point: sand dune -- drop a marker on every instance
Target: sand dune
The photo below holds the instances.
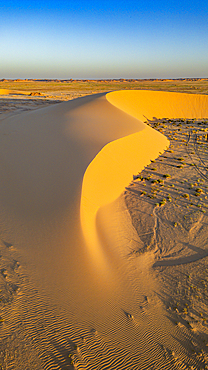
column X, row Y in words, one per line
column 146, row 104
column 72, row 296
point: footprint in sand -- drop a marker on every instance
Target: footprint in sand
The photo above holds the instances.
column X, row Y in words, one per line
column 93, row 331
column 4, row 273
column 128, row 315
column 15, row 266
column 8, row 245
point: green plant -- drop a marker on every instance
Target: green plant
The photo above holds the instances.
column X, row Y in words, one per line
column 163, row 202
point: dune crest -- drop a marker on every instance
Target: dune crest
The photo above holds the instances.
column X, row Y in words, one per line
column 145, row 104
column 110, row 171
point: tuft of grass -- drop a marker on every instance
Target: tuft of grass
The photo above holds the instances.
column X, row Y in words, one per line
column 163, row 202
column 200, row 191
column 148, row 177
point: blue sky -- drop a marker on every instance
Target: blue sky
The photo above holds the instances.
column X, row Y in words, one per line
column 103, row 39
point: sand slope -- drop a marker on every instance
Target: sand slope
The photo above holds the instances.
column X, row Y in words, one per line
column 146, row 104
column 66, row 234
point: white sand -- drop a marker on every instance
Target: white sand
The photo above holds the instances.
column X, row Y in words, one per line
column 72, row 297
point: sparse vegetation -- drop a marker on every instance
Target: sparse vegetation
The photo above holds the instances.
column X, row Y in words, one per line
column 172, row 188
column 95, row 86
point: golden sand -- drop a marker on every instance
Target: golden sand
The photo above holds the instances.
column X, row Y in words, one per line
column 110, row 171
column 73, row 295
column 144, row 104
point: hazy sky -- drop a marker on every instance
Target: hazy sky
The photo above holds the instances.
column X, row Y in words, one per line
column 103, row 39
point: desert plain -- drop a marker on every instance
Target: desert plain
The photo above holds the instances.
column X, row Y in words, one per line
column 103, row 224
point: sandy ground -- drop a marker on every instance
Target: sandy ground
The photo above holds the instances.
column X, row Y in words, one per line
column 168, row 205
column 125, row 286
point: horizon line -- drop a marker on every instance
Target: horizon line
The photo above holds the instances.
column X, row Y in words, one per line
column 103, row 79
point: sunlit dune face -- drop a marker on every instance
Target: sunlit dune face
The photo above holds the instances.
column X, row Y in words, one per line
column 113, row 167
column 108, row 174
column 144, row 104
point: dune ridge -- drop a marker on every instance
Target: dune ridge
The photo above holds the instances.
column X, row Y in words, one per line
column 110, row 171
column 144, row 104
column 65, row 223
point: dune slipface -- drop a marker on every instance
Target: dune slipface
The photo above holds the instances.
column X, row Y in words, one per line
column 81, row 301
column 146, row 104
